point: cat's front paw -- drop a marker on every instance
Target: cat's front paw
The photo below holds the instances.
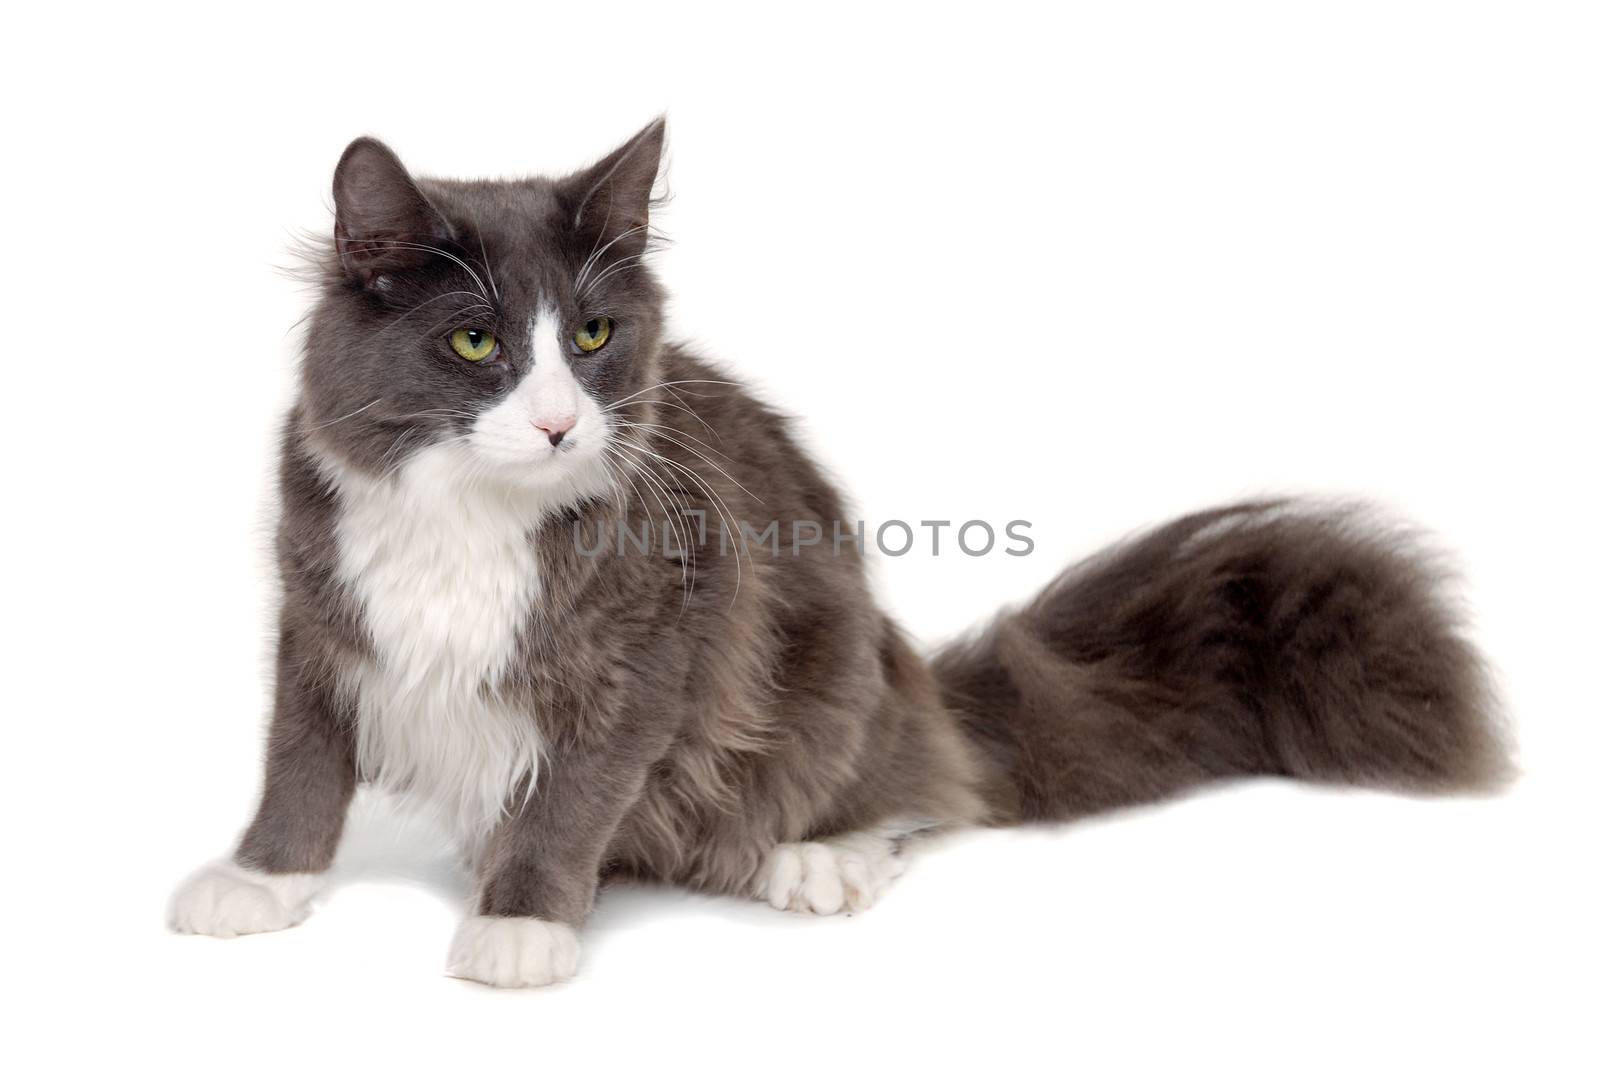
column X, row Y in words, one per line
column 226, row 900
column 513, row 953
column 846, row 873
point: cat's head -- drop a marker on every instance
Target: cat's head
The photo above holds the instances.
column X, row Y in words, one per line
column 505, row 326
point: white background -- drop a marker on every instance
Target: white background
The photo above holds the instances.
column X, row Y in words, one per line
column 1087, row 268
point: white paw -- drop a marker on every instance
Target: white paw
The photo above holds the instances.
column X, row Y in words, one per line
column 226, row 900
column 513, row 953
column 846, row 873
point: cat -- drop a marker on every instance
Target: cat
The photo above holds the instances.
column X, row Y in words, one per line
column 486, row 386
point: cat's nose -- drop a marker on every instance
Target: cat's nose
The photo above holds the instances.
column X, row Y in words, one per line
column 555, row 427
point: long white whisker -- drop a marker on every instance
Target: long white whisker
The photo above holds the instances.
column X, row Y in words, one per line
column 458, row 311
column 625, row 263
column 484, row 255
column 669, row 404
column 651, row 482
column 705, row 459
column 588, row 264
column 686, row 540
column 667, row 385
column 714, row 498
column 679, row 436
column 482, row 291
column 605, row 223
column 349, row 415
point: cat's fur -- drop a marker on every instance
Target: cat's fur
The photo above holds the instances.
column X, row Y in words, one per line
column 738, row 721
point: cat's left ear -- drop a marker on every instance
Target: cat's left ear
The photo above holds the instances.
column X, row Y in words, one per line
column 611, row 199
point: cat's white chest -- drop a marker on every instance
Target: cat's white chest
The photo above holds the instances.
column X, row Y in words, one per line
column 446, row 577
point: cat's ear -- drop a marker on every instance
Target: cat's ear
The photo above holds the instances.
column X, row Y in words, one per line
column 611, row 200
column 382, row 222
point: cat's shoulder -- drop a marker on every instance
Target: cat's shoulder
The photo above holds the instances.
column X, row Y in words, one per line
column 696, row 387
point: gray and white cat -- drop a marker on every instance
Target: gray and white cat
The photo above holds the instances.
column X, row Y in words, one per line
column 486, row 389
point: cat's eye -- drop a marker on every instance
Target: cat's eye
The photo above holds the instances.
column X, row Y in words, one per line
column 593, row 335
column 474, row 346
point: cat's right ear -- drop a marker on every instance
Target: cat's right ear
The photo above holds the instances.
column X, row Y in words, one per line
column 382, row 221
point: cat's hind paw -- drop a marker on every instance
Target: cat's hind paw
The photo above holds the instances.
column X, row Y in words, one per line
column 226, row 900
column 846, row 873
column 513, row 953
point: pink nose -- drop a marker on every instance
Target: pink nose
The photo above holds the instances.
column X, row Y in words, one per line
column 555, row 427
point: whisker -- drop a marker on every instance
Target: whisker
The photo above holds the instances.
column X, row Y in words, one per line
column 588, row 264
column 625, row 263
column 348, row 415
column 714, row 498
column 683, row 408
column 438, row 252
column 483, row 255
column 667, row 385
column 452, row 314
column 679, row 530
column 677, row 433
column 604, row 224
column 686, row 540
column 439, row 413
column 707, row 460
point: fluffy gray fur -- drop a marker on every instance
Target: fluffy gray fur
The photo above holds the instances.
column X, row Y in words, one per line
column 689, row 736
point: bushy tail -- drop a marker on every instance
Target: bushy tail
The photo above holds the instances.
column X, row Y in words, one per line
column 1261, row 639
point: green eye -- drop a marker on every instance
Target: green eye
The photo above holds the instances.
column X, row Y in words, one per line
column 593, row 335
column 474, row 346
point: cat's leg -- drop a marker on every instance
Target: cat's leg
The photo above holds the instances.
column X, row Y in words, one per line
column 540, row 871
column 271, row 877
column 846, row 872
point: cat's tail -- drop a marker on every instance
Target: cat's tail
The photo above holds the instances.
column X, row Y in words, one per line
column 1261, row 639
